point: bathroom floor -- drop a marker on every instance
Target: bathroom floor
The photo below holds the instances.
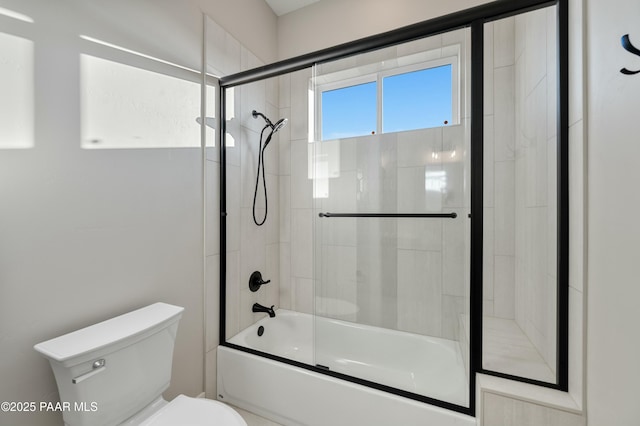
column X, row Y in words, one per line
column 254, row 419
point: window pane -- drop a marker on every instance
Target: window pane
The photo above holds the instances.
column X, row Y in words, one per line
column 349, row 111
column 131, row 107
column 417, row 100
column 16, row 92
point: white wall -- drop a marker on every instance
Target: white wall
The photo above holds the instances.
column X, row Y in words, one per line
column 331, row 22
column 89, row 234
column 250, row 22
column 613, row 371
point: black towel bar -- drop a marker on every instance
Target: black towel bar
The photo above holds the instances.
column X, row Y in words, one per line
column 390, row 215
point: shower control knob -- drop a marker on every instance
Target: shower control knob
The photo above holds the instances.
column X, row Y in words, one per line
column 255, row 281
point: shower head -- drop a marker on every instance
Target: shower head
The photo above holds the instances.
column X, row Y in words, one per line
column 274, row 127
column 279, row 124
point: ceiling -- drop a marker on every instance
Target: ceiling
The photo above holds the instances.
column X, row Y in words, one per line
column 282, row 7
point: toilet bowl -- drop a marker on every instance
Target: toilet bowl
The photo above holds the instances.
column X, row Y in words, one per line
column 187, row 411
column 114, row 373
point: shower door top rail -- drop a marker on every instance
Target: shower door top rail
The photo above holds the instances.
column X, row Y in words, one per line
column 452, row 215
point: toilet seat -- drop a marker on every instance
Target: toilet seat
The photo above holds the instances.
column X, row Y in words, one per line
column 187, row 411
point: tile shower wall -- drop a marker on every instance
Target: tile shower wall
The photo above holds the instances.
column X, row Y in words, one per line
column 535, row 179
column 249, row 247
column 406, row 274
column 520, row 179
column 296, row 195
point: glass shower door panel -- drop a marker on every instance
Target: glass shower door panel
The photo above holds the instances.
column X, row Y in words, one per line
column 391, row 234
column 520, row 196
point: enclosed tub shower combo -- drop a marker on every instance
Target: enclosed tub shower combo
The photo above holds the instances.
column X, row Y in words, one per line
column 393, row 220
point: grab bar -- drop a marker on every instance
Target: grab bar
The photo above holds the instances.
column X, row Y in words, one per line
column 452, row 215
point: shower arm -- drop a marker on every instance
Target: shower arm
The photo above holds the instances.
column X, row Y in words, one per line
column 257, row 114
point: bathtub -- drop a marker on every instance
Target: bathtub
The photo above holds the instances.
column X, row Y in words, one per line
column 292, row 395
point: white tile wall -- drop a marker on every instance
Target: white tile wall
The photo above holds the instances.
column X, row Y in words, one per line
column 505, row 217
column 286, row 279
column 504, row 122
column 454, row 145
column 252, row 243
column 339, row 283
column 420, row 306
column 300, row 104
column 504, row 289
column 249, row 142
column 301, row 249
column 454, row 246
column 420, row 234
column 488, row 69
column 223, row 55
column 212, row 230
column 233, row 282
column 272, row 222
column 284, row 143
column 524, row 178
column 301, row 185
column 303, row 295
column 503, row 47
column 233, row 125
column 212, row 302
column 416, row 148
column 488, row 196
column 233, row 207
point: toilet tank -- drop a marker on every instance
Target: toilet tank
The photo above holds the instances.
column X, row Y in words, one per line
column 109, row 371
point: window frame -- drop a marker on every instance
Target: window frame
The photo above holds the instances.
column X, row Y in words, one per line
column 343, row 84
column 379, row 76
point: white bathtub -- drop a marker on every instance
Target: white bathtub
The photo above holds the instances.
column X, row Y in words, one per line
column 295, row 396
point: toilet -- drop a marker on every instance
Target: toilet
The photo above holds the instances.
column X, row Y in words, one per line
column 114, row 373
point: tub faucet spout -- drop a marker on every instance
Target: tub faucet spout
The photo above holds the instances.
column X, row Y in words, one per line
column 259, row 308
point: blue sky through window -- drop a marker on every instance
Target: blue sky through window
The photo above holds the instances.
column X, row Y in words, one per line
column 349, row 111
column 417, row 100
column 412, row 100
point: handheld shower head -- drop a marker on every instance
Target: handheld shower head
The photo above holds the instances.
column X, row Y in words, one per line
column 279, row 124
column 274, row 127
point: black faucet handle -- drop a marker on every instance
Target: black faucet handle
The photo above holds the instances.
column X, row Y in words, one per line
column 255, row 281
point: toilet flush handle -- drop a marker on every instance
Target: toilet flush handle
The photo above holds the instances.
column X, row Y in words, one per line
column 98, row 367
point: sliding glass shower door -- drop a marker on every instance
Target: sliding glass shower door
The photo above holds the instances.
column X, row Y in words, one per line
column 389, row 163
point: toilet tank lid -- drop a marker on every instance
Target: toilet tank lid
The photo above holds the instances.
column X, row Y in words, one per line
column 109, row 332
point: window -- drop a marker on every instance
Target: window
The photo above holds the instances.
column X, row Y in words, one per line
column 404, row 98
column 417, row 99
column 349, row 111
